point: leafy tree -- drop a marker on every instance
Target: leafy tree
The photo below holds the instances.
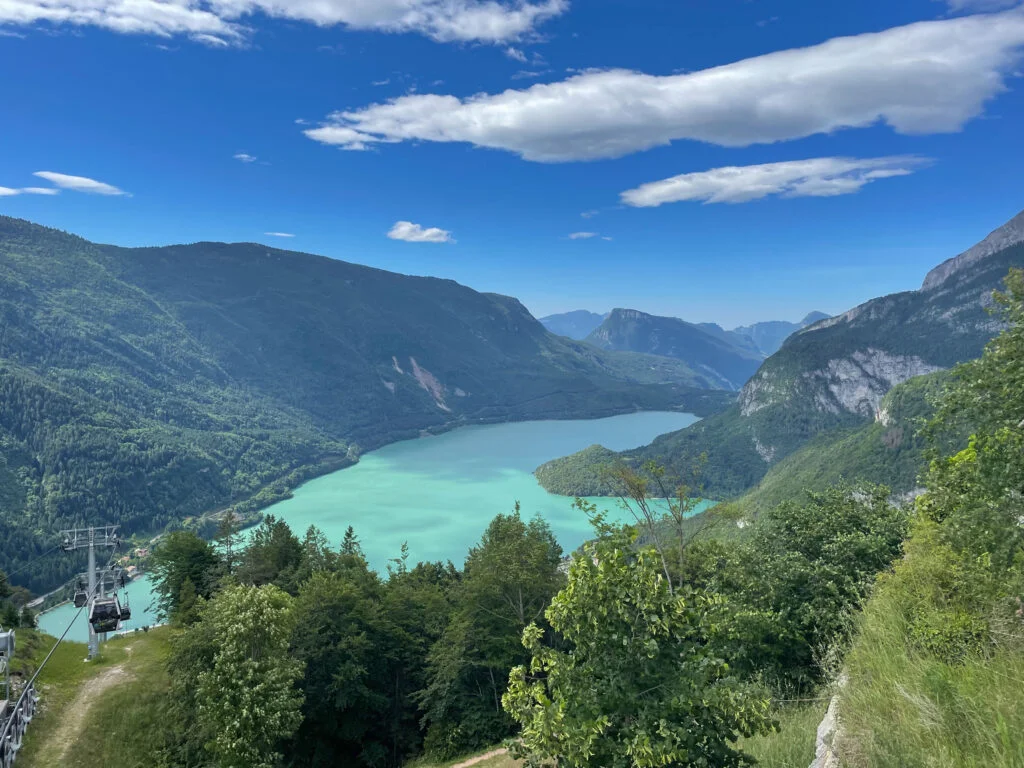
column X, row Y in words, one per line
column 248, row 695
column 274, row 556
column 27, row 618
column 227, row 539
column 665, row 516
column 8, row 615
column 508, row 581
column 637, row 684
column 808, row 567
column 338, row 638
column 182, row 557
column 977, row 493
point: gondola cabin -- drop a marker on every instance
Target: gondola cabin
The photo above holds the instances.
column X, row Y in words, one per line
column 105, row 614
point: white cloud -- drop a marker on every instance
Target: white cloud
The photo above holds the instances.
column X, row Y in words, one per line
column 983, row 6
column 224, row 22
column 589, row 214
column 279, row 234
column 582, row 235
column 529, row 74
column 515, row 53
column 79, row 183
column 928, row 77
column 11, row 192
column 414, row 233
column 245, row 157
column 820, row 177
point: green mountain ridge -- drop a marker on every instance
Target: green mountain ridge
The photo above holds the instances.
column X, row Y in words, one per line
column 832, row 376
column 728, row 363
column 143, row 386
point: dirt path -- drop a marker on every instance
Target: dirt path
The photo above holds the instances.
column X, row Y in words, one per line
column 72, row 718
column 481, row 758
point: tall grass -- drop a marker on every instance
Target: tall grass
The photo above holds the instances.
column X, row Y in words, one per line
column 907, row 707
column 792, row 744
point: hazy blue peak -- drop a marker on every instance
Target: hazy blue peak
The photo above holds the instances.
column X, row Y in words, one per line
column 577, row 324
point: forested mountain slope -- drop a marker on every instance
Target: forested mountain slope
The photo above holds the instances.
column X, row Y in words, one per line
column 141, row 386
column 728, row 363
column 834, row 374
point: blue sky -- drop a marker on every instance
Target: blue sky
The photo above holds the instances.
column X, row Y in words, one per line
column 732, row 160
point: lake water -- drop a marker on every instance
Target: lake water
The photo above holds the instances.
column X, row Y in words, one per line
column 438, row 494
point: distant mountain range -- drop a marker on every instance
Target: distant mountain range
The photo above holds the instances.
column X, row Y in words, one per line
column 835, row 374
column 728, row 362
column 635, row 331
column 142, row 386
column 769, row 336
column 576, row 325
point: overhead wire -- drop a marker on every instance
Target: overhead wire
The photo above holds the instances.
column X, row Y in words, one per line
column 29, row 564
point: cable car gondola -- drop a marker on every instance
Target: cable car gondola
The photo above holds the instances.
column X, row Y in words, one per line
column 81, row 596
column 105, row 614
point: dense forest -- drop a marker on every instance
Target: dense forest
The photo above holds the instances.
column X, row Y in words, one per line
column 146, row 386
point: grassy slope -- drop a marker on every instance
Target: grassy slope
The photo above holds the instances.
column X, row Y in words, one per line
column 906, row 709
column 113, row 727
column 792, row 745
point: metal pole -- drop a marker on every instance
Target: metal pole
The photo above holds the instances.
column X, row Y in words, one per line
column 94, row 643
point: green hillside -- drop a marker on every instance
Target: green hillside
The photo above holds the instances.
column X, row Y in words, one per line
column 890, row 450
column 144, row 386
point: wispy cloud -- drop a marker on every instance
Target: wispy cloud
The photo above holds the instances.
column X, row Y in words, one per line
column 414, row 233
column 589, row 214
column 983, row 6
column 582, row 235
column 516, row 54
column 279, row 234
column 529, row 74
column 245, row 157
column 226, row 22
column 382, row 82
column 79, row 183
column 928, row 77
column 819, row 177
column 12, row 191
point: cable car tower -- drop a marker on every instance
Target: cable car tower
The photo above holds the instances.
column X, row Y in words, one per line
column 91, row 538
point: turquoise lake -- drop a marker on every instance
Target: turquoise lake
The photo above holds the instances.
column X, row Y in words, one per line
column 438, row 494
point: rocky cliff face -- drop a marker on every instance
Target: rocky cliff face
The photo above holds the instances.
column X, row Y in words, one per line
column 1007, row 235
